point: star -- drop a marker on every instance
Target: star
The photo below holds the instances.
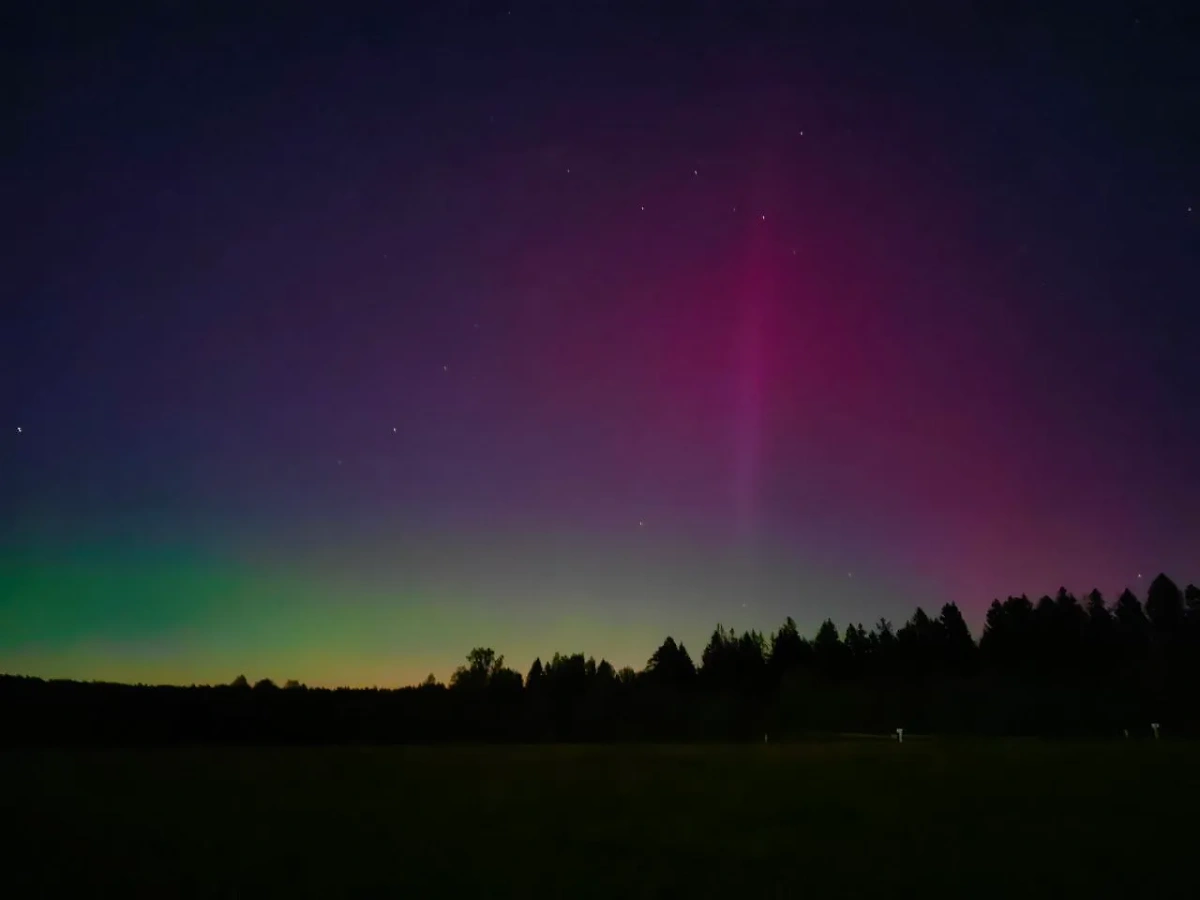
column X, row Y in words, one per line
column 339, row 462
column 641, row 523
column 695, row 171
column 445, row 368
column 393, row 431
column 568, row 171
column 764, row 218
column 18, row 429
column 1139, row 574
column 643, row 209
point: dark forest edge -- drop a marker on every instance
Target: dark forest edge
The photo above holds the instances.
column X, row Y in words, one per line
column 1058, row 667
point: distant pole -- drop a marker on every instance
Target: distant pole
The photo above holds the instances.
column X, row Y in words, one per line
column 900, row 735
column 1126, row 734
column 1154, row 726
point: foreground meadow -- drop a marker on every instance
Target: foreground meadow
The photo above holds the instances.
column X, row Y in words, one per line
column 837, row 818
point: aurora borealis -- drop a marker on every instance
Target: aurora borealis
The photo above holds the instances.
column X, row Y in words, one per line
column 338, row 346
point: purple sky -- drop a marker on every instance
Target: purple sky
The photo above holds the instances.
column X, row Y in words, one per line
column 338, row 346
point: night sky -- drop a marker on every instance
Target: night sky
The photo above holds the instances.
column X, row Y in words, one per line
column 335, row 344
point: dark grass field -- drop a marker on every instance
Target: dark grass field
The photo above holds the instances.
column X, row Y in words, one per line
column 837, row 818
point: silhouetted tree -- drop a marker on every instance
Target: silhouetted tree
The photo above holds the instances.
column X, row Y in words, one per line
column 1133, row 629
column 828, row 651
column 958, row 650
column 1044, row 634
column 1008, row 635
column 505, row 682
column 482, row 665
column 1192, row 598
column 1070, row 629
column 918, row 643
column 883, row 647
column 1100, row 646
column 536, row 676
column 1164, row 606
column 671, row 665
column 717, row 661
column 1057, row 667
column 732, row 663
column 789, row 651
column 857, row 654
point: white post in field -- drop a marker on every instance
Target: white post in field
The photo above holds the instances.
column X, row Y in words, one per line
column 900, row 735
column 1154, row 726
column 1126, row 734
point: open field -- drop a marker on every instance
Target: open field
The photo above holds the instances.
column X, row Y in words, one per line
column 846, row 818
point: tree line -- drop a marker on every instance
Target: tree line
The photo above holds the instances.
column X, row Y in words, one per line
column 1059, row 666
